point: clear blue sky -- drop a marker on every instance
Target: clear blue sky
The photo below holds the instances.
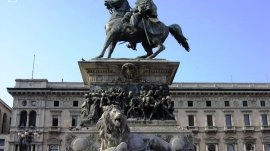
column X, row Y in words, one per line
column 229, row 39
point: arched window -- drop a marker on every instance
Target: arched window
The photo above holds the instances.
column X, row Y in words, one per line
column 53, row 147
column 211, row 147
column 266, row 146
column 230, row 147
column 4, row 124
column 250, row 147
column 32, row 119
column 23, row 118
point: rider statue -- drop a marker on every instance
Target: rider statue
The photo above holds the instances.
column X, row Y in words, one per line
column 138, row 25
column 145, row 12
column 143, row 9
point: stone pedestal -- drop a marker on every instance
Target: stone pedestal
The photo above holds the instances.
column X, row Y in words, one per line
column 132, row 82
column 128, row 71
column 127, row 82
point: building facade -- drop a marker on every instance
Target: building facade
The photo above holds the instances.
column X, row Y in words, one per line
column 5, row 117
column 225, row 116
column 221, row 116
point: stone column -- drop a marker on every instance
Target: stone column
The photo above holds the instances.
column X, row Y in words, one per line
column 11, row 147
column 27, row 119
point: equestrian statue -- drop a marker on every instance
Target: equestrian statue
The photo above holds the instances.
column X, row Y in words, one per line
column 138, row 25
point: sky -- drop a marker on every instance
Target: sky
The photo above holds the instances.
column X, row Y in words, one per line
column 229, row 39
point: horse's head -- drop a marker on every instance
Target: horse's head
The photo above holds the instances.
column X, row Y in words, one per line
column 113, row 3
column 107, row 3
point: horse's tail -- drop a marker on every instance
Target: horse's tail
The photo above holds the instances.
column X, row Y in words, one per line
column 176, row 31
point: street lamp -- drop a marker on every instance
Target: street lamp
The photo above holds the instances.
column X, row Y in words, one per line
column 26, row 138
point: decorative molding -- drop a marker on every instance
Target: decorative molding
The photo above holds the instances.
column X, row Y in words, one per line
column 263, row 111
column 77, row 112
column 212, row 140
column 192, row 111
column 249, row 139
column 54, row 141
column 265, row 139
column 56, row 112
column 228, row 111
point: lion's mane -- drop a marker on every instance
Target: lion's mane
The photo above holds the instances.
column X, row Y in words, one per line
column 111, row 135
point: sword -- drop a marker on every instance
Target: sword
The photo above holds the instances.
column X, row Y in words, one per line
column 144, row 27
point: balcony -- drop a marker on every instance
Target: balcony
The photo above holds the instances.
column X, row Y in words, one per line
column 55, row 129
column 265, row 128
column 194, row 129
column 229, row 129
column 248, row 128
column 211, row 129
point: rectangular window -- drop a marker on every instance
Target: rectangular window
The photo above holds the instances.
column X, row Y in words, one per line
column 227, row 103
column 266, row 147
column 74, row 120
column 246, row 120
column 264, row 120
column 75, row 103
column 229, row 121
column 209, row 119
column 245, row 104
column 231, row 147
column 2, row 142
column 56, row 103
column 190, row 103
column 208, row 103
column 262, row 103
column 55, row 120
column 191, row 120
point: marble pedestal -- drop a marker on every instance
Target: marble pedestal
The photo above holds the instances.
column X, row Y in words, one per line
column 130, row 75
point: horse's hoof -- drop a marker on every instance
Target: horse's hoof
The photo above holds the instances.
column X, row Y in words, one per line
column 149, row 57
column 97, row 57
column 141, row 57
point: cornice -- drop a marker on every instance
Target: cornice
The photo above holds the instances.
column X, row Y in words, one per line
column 46, row 91
column 214, row 92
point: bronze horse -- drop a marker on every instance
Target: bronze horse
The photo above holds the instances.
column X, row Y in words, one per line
column 118, row 29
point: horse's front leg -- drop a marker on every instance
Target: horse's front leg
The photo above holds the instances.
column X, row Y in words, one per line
column 111, row 48
column 108, row 41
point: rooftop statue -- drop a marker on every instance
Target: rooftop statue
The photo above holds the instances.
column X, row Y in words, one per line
column 138, row 25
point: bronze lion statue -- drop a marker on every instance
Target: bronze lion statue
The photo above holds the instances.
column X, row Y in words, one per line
column 115, row 134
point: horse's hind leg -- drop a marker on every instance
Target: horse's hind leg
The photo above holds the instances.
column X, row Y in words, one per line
column 111, row 48
column 161, row 47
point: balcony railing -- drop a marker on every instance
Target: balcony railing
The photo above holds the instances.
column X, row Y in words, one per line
column 194, row 129
column 210, row 129
column 248, row 128
column 229, row 128
column 55, row 129
column 265, row 128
